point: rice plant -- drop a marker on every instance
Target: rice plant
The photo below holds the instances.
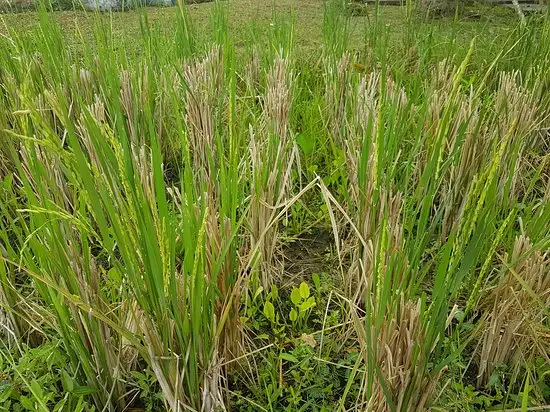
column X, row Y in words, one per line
column 219, row 222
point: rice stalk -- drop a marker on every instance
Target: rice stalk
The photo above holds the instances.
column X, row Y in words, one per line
column 273, row 155
column 337, row 77
column 399, row 373
column 203, row 81
column 515, row 311
column 514, row 104
column 375, row 204
column 90, row 344
column 252, row 73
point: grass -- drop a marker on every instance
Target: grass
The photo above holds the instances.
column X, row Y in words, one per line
column 247, row 19
column 274, row 207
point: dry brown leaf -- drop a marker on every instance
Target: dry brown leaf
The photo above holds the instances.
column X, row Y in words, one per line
column 308, row 340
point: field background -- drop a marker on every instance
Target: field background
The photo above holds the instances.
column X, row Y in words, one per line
column 275, row 206
column 248, row 18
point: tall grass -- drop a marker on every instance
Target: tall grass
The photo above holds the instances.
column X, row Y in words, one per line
column 142, row 201
column 441, row 196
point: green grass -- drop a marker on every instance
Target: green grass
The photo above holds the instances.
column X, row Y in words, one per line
column 274, row 207
column 247, row 19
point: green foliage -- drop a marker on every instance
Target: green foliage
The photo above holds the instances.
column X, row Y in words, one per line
column 150, row 393
column 38, row 380
column 303, row 304
column 292, row 374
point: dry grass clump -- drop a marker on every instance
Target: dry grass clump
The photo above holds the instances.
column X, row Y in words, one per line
column 516, row 311
column 203, row 81
column 337, row 77
column 375, row 207
column 8, row 329
column 253, row 74
column 272, row 157
column 518, row 108
column 400, row 380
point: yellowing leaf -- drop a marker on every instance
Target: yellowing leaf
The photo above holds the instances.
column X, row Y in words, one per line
column 269, row 311
column 293, row 315
column 274, row 292
column 258, row 291
column 308, row 304
column 304, row 290
column 295, row 296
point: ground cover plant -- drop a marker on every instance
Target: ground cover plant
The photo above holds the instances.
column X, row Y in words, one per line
column 228, row 218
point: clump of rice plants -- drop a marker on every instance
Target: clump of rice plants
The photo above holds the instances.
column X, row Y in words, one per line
column 204, row 226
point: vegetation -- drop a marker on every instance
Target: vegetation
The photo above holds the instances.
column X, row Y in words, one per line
column 222, row 220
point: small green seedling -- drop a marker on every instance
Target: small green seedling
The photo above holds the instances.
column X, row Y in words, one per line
column 303, row 303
